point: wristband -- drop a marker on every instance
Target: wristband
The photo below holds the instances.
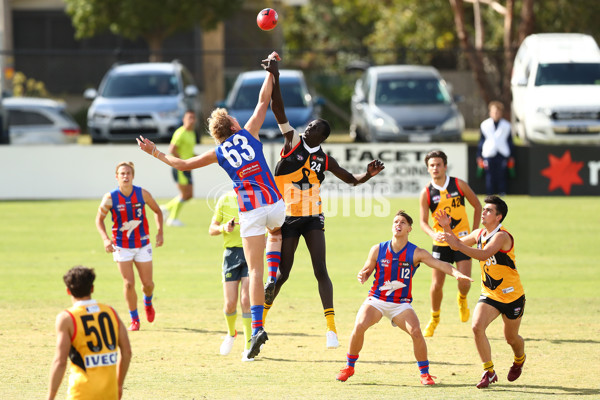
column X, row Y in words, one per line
column 285, row 128
column 222, row 228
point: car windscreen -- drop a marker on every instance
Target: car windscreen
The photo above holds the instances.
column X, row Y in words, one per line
column 568, row 74
column 247, row 96
column 401, row 91
column 138, row 85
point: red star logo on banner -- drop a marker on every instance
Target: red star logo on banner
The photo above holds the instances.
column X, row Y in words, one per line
column 563, row 172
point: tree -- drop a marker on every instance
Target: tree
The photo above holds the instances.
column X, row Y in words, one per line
column 475, row 54
column 379, row 31
column 151, row 20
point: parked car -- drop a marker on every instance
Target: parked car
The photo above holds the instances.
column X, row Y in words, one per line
column 146, row 99
column 33, row 120
column 555, row 89
column 404, row 103
column 300, row 106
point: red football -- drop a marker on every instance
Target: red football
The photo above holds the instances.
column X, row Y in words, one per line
column 267, row 19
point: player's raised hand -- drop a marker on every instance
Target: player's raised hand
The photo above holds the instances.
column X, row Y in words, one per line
column 271, row 64
column 452, row 240
column 442, row 218
column 147, row 145
column 375, row 167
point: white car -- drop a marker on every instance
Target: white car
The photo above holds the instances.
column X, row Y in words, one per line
column 33, row 120
column 556, row 89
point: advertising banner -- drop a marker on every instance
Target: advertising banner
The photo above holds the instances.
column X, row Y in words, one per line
column 564, row 171
column 405, row 173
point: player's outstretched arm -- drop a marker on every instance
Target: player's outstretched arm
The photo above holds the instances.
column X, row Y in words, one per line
column 260, row 111
column 369, row 266
column 449, row 237
column 291, row 137
column 199, row 161
column 373, row 168
column 423, row 256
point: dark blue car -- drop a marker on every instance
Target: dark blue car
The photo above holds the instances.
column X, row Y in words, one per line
column 300, row 106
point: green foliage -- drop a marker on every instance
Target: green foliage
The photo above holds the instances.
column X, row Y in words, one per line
column 28, row 87
column 146, row 18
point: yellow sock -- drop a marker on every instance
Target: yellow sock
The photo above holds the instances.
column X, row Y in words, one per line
column 520, row 360
column 172, row 202
column 462, row 296
column 175, row 209
column 247, row 321
column 330, row 318
column 435, row 314
column 266, row 309
column 489, row 366
column 230, row 318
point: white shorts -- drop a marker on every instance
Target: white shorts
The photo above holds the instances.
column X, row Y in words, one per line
column 254, row 222
column 138, row 254
column 388, row 309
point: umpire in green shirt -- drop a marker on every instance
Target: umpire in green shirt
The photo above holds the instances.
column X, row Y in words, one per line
column 235, row 271
column 182, row 146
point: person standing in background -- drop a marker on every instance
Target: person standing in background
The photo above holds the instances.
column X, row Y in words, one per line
column 235, row 271
column 495, row 150
column 182, row 146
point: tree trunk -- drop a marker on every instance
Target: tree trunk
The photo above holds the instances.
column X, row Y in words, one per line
column 527, row 21
column 479, row 34
column 213, row 65
column 155, row 46
column 509, row 56
column 474, row 57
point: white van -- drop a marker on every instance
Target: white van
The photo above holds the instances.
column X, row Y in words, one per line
column 556, row 89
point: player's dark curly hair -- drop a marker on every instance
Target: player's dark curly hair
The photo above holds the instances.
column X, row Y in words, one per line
column 80, row 281
column 403, row 213
column 436, row 154
column 501, row 207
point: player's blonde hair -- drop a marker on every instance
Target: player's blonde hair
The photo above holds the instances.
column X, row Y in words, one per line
column 219, row 125
column 125, row 164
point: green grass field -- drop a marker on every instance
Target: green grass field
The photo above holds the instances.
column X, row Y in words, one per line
column 177, row 357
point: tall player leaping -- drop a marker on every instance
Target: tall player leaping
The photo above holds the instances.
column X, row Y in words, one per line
column 240, row 153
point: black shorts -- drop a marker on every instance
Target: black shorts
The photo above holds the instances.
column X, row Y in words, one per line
column 234, row 264
column 445, row 253
column 512, row 310
column 297, row 226
column 187, row 176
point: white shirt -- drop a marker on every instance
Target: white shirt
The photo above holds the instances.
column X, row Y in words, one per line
column 496, row 138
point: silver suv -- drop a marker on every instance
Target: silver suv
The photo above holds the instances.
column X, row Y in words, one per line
column 146, row 99
column 404, row 103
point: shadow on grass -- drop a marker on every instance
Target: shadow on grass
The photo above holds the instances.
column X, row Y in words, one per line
column 553, row 341
column 342, row 361
column 218, row 332
column 525, row 389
